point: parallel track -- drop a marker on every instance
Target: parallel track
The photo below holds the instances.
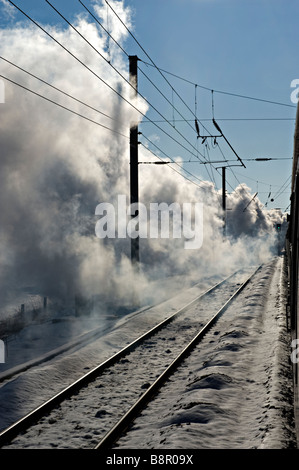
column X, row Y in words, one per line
column 24, row 423
column 81, row 340
column 112, row 436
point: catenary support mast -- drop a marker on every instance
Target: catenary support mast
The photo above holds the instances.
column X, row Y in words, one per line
column 134, row 190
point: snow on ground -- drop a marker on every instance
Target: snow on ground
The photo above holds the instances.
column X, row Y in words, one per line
column 24, row 392
column 234, row 391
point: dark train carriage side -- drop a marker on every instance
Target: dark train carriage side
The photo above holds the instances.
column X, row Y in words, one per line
column 292, row 245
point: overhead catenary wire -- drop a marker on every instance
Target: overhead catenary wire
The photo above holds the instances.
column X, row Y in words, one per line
column 73, row 55
column 221, row 91
column 193, row 113
column 227, row 93
column 173, row 169
column 147, row 55
column 235, row 119
column 143, row 73
column 173, row 90
column 167, row 156
column 103, row 27
column 212, row 93
column 282, row 188
column 62, row 106
column 88, row 68
column 117, row 71
column 186, row 171
column 287, row 208
column 149, row 120
column 188, row 179
column 193, row 182
column 245, row 160
column 152, row 83
column 196, row 119
column 94, row 122
column 99, row 124
column 68, row 95
column 100, row 78
column 245, row 208
column 211, row 177
column 260, row 182
column 58, row 89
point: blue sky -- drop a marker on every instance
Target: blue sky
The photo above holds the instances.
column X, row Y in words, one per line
column 246, row 47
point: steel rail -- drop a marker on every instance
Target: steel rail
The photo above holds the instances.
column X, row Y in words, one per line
column 111, row 437
column 23, row 423
column 81, row 340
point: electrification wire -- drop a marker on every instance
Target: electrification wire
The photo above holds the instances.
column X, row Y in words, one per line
column 266, row 159
column 235, row 119
column 93, row 73
column 147, row 55
column 94, row 122
column 268, row 198
column 177, row 94
column 260, row 182
column 143, row 73
column 245, row 160
column 201, row 122
column 165, row 97
column 179, row 165
column 218, row 91
column 287, row 208
column 117, row 71
column 84, row 117
column 58, row 89
column 73, row 55
column 282, row 188
column 62, row 106
column 101, row 79
column 173, row 169
column 209, row 162
column 222, row 92
column 226, row 161
column 173, row 90
column 232, row 94
column 108, row 39
column 167, row 156
column 103, row 27
column 173, row 161
column 184, row 120
column 239, row 182
column 125, row 52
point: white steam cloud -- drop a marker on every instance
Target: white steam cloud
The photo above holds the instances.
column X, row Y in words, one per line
column 56, row 167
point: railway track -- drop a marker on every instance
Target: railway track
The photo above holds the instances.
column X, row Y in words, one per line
column 94, row 410
column 81, row 340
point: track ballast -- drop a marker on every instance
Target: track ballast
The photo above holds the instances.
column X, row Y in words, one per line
column 95, row 410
